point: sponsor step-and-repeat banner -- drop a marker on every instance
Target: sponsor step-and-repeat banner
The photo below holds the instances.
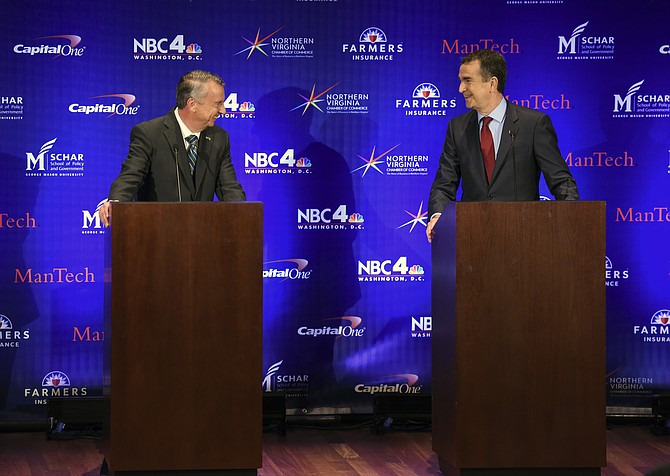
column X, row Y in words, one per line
column 337, row 112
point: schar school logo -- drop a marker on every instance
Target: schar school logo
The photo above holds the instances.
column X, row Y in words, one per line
column 124, row 108
column 419, row 217
column 237, row 110
column 48, row 164
column 373, row 45
column 11, row 107
column 276, row 163
column 350, row 330
column 327, row 219
column 394, row 164
column 161, row 49
column 612, row 275
column 658, row 329
column 296, row 385
column 579, row 47
column 287, row 269
column 398, row 383
column 425, row 101
column 91, row 221
column 641, row 105
column 390, row 271
column 69, row 49
column 9, row 337
column 54, row 384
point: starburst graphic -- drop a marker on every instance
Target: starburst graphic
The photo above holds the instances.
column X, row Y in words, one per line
column 419, row 217
column 372, row 162
column 258, row 43
column 313, row 99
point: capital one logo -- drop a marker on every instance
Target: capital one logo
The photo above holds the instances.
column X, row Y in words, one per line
column 625, row 103
column 33, row 162
column 571, row 44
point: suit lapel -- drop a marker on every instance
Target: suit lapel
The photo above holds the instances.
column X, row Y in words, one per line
column 173, row 136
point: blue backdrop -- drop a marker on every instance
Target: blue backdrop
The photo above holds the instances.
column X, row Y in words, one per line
column 337, row 112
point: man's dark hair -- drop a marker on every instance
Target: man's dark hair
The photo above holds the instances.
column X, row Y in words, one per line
column 492, row 64
column 192, row 85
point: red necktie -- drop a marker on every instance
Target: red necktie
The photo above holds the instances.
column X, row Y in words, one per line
column 486, row 144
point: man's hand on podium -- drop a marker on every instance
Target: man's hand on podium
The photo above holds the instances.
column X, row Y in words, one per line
column 105, row 213
column 431, row 225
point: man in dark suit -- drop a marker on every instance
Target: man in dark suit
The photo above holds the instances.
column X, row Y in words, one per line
column 522, row 143
column 182, row 156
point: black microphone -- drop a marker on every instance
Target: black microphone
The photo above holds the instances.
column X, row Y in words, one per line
column 176, row 168
column 513, row 136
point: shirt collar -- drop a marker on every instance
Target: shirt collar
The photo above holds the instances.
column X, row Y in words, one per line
column 185, row 131
column 498, row 114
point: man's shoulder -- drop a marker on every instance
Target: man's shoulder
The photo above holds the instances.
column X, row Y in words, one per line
column 523, row 111
column 157, row 122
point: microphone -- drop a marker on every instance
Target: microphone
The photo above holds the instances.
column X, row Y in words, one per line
column 513, row 136
column 176, row 168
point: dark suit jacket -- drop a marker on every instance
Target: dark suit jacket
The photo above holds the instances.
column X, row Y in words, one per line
column 157, row 154
column 528, row 146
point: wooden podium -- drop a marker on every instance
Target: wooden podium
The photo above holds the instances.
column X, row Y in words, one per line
column 183, row 338
column 519, row 338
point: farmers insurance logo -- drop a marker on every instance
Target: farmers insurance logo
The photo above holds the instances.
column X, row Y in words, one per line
column 108, row 107
column 390, row 270
column 56, row 45
column 398, row 383
column 372, row 45
column 614, row 275
column 631, row 104
column 658, row 329
column 166, row 48
column 278, row 46
column 296, row 385
column 393, row 164
column 9, row 337
column 54, row 384
column 425, row 101
column 54, row 164
column 578, row 47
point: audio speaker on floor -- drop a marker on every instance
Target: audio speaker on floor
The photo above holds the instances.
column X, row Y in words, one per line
column 74, row 416
column 400, row 411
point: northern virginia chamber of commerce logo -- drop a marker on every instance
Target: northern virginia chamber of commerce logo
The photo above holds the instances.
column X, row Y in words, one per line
column 278, row 46
column 583, row 47
column 397, row 164
column 56, row 46
column 334, row 102
column 420, row 217
column 10, row 337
